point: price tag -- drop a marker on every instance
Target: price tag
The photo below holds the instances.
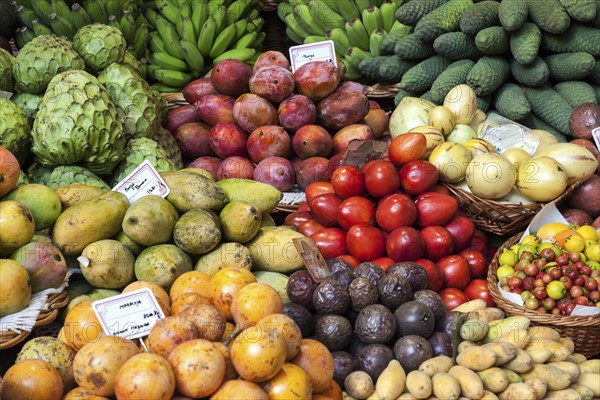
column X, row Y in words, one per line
column 305, row 53
column 313, row 259
column 596, row 136
column 5, row 95
column 142, row 181
column 360, row 152
column 130, row 315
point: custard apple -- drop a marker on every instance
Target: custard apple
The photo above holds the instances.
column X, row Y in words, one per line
column 166, row 140
column 77, row 123
column 137, row 151
column 40, row 60
column 68, row 174
column 38, row 173
column 14, row 130
column 7, row 82
column 134, row 100
column 129, row 59
column 29, row 103
column 99, row 45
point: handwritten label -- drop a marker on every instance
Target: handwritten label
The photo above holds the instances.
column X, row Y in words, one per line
column 360, row 152
column 142, row 181
column 305, row 53
column 313, row 259
column 596, row 136
column 130, row 315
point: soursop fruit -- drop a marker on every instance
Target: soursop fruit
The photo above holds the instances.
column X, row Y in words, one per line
column 134, row 100
column 99, row 45
column 137, row 151
column 65, row 175
column 29, row 103
column 77, row 123
column 166, row 140
column 14, row 130
column 38, row 173
column 40, row 60
column 7, row 82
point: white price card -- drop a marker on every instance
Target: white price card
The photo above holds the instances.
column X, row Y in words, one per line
column 596, row 136
column 130, row 315
column 305, row 53
column 143, row 180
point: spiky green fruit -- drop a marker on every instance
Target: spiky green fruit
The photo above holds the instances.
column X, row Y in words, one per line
column 134, row 100
column 65, row 175
column 137, row 151
column 7, row 82
column 77, row 123
column 40, row 60
column 166, row 140
column 29, row 103
column 14, row 130
column 99, row 45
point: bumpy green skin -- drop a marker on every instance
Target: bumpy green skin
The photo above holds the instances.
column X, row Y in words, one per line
column 402, row 94
column 99, row 45
column 456, row 46
column 369, row 67
column 77, row 123
column 7, row 82
column 445, row 18
column 29, row 103
column 166, row 140
column 534, row 74
column 427, row 96
column 525, row 43
column 549, row 15
column 578, row 38
column 595, row 22
column 411, row 12
column 137, row 151
column 533, row 122
column 129, row 59
column 388, row 43
column 511, row 102
column 134, row 100
column 488, row 74
column 595, row 75
column 454, row 75
column 484, row 102
column 14, row 130
column 392, row 69
column 38, row 173
column 493, row 41
column 570, row 66
column 512, row 14
column 576, row 92
column 479, row 16
column 40, row 60
column 411, row 48
column 550, row 107
column 69, row 174
column 580, row 10
column 419, row 78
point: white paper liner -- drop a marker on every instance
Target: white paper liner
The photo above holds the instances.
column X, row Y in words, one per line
column 291, row 198
column 25, row 320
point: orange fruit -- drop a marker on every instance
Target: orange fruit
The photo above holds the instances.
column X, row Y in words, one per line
column 162, row 297
column 145, row 376
column 81, row 325
column 225, row 284
column 253, row 302
column 32, row 379
column 317, row 361
column 170, row 332
column 191, row 281
column 186, row 299
column 238, row 389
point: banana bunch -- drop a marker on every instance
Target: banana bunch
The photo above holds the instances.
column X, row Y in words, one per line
column 65, row 18
column 189, row 36
column 356, row 27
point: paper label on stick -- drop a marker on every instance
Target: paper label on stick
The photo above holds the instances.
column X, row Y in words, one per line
column 360, row 152
column 305, row 53
column 596, row 136
column 143, row 180
column 130, row 315
column 313, row 259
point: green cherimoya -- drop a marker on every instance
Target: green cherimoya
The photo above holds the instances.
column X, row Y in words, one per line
column 40, row 60
column 137, row 151
column 166, row 140
column 29, row 103
column 134, row 100
column 14, row 130
column 7, row 82
column 77, row 123
column 99, row 45
column 65, row 175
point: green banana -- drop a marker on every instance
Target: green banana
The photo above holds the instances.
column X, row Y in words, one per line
column 399, row 26
column 357, row 34
column 223, row 40
column 192, row 55
column 172, row 78
column 150, row 70
column 129, row 6
column 352, row 73
column 333, row 4
column 169, row 10
column 294, row 26
column 187, row 28
column 184, row 12
column 372, row 19
column 169, row 35
column 151, row 16
column 340, row 40
column 165, row 60
column 61, row 9
column 324, row 15
column 128, row 26
column 143, row 68
column 355, row 55
column 213, row 5
column 61, row 26
column 25, row 16
column 260, row 38
column 245, row 41
column 348, row 10
column 284, row 9
column 241, row 28
column 238, row 54
column 293, row 36
column 314, row 39
column 43, row 9
column 162, row 88
column 236, row 9
column 140, row 41
column 207, row 36
column 298, row 2
column 363, row 4
column 306, row 20
column 220, row 16
column 253, row 14
column 388, row 14
column 24, row 36
column 24, row 3
column 113, row 7
column 375, row 42
column 79, row 16
column 156, row 43
column 199, row 15
column 255, row 25
column 114, row 22
column 39, row 28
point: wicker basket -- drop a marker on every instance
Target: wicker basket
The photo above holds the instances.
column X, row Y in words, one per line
column 501, row 218
column 54, row 303
column 583, row 331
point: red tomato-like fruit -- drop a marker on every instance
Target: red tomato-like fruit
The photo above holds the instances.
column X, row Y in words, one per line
column 310, row 227
column 355, row 210
column 453, row 298
column 348, row 181
column 478, row 264
column 478, row 244
column 438, row 242
column 381, row 179
column 481, row 234
column 405, row 244
column 418, row 176
column 478, row 289
column 440, row 189
column 384, row 262
column 435, row 208
column 303, row 207
column 436, row 280
column 296, row 218
column 331, row 242
column 365, row 242
column 315, row 189
column 461, row 228
column 324, row 209
column 455, row 271
column 394, row 211
column 407, row 147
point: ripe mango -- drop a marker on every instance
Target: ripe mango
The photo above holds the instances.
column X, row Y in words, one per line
column 150, row 220
column 272, row 249
column 263, row 196
column 190, row 190
column 240, row 221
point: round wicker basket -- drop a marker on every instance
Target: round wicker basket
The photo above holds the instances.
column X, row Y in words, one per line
column 583, row 331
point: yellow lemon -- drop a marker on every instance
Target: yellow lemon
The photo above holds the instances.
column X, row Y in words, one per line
column 574, row 243
column 505, row 271
column 508, row 257
column 530, row 239
column 592, row 251
column 588, row 232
